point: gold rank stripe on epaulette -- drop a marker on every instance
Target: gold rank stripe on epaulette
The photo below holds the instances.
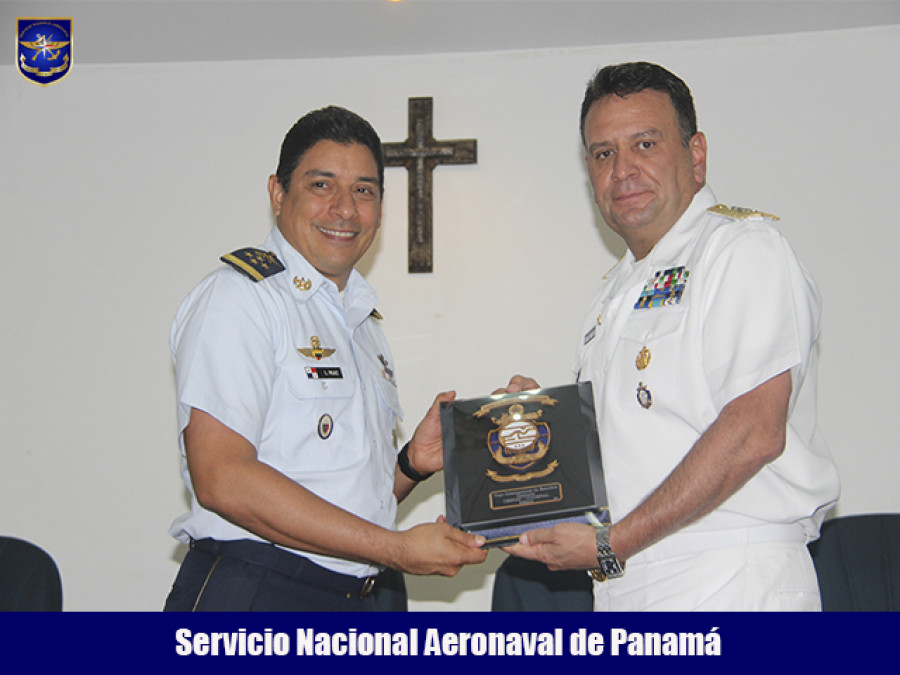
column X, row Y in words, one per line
column 253, row 262
column 740, row 213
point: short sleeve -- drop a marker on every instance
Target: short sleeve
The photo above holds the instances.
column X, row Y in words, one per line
column 223, row 352
column 760, row 314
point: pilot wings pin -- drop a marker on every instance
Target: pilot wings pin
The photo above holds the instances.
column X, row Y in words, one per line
column 315, row 350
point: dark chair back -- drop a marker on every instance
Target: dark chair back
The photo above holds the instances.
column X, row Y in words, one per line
column 857, row 560
column 29, row 578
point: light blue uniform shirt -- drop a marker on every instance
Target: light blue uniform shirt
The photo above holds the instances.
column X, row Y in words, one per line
column 301, row 372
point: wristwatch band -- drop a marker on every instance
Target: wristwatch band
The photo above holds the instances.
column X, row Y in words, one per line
column 406, row 467
column 609, row 566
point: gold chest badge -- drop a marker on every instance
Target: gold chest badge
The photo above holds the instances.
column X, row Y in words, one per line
column 643, row 359
column 315, row 350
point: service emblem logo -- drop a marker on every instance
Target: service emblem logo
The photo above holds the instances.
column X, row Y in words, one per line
column 44, row 49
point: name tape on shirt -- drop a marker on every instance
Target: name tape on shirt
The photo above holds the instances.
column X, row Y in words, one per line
column 319, row 373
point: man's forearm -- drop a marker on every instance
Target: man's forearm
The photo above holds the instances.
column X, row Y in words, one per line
column 748, row 434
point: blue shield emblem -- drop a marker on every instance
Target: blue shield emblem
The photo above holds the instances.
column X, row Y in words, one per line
column 44, row 49
column 519, row 444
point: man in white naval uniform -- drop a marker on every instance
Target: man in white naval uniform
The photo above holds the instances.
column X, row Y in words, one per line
column 287, row 403
column 701, row 345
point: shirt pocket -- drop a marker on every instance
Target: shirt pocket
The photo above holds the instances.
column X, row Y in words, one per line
column 314, row 382
column 651, row 356
column 648, row 325
column 388, row 396
column 322, row 421
column 389, row 413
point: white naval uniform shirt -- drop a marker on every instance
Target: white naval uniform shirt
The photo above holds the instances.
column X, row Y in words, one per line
column 324, row 422
column 748, row 312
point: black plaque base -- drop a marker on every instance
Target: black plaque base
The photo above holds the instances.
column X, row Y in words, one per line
column 518, row 462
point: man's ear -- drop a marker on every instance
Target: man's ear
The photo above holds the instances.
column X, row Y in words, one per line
column 276, row 194
column 698, row 155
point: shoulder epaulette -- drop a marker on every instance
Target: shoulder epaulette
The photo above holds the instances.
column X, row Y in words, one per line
column 740, row 213
column 375, row 314
column 253, row 262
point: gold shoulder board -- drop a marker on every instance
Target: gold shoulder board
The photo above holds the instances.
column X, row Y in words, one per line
column 740, row 213
column 254, row 263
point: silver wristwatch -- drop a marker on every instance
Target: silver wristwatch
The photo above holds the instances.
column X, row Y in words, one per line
column 609, row 566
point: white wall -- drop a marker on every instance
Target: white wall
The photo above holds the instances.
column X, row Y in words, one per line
column 121, row 185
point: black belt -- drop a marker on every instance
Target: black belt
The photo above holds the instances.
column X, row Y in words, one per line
column 289, row 564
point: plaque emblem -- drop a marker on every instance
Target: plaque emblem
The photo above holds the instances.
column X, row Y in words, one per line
column 498, row 449
column 519, row 442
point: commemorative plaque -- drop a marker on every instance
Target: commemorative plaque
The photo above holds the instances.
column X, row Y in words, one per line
column 516, row 462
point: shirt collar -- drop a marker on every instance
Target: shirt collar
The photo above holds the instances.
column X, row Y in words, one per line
column 359, row 296
column 673, row 241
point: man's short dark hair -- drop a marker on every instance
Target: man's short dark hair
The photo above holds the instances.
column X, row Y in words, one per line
column 630, row 78
column 332, row 123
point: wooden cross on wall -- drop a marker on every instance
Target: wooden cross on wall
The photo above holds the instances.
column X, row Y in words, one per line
column 420, row 154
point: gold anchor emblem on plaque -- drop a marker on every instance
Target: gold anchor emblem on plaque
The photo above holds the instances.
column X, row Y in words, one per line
column 643, row 359
column 519, row 441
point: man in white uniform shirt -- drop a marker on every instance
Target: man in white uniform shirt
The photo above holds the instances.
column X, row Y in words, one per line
column 701, row 345
column 287, row 403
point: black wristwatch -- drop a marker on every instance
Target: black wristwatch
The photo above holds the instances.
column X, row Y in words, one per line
column 609, row 566
column 406, row 467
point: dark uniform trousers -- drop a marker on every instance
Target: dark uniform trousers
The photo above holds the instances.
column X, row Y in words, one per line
column 251, row 576
column 522, row 585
